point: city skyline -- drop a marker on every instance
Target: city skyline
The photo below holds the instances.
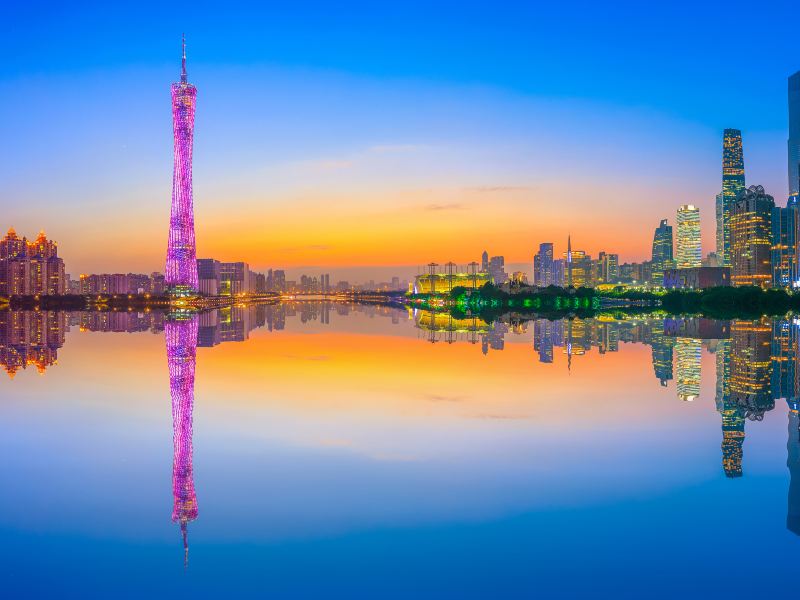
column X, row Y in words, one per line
column 375, row 187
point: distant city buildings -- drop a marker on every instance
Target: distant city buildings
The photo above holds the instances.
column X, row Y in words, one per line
column 689, row 252
column 751, row 238
column 30, row 268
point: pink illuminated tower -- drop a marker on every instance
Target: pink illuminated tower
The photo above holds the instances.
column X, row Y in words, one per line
column 181, row 334
column 181, row 271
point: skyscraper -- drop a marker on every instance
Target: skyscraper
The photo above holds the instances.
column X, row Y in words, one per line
column 688, row 353
column 732, row 185
column 485, row 261
column 662, row 251
column 543, row 266
column 181, row 271
column 751, row 238
column 794, row 134
column 785, row 224
column 689, row 251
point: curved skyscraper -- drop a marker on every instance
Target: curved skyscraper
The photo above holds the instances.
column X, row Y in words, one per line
column 181, row 270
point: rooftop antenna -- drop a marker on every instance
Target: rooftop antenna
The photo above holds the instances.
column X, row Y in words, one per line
column 183, row 60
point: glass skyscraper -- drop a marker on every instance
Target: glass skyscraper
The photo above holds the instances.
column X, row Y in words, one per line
column 751, row 238
column 785, row 223
column 662, row 251
column 689, row 251
column 794, row 134
column 543, row 266
column 732, row 185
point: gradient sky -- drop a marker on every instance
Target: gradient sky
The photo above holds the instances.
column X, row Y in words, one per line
column 363, row 135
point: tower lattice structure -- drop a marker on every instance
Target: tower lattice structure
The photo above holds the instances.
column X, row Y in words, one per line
column 181, row 269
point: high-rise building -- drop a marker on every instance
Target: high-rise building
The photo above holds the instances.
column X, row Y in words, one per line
column 234, row 279
column 662, row 252
column 208, row 276
column 732, row 185
column 30, row 267
column 751, row 238
column 559, row 272
column 579, row 268
column 496, row 269
column 485, row 261
column 543, row 265
column 794, row 135
column 689, row 252
column 785, row 224
column 719, row 208
column 181, row 271
column 608, row 268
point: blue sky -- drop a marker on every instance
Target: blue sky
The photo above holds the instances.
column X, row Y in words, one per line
column 585, row 104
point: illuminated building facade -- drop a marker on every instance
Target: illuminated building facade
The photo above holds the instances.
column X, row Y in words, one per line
column 29, row 268
column 688, row 352
column 689, row 252
column 579, row 268
column 785, row 224
column 607, row 268
column 442, row 283
column 751, row 238
column 543, row 266
column 662, row 252
column 30, row 339
column 794, row 135
column 181, row 336
column 732, row 185
column 181, row 271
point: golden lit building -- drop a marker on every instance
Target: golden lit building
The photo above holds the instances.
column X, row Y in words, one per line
column 443, row 283
column 751, row 238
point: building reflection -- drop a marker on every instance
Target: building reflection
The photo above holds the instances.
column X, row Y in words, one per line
column 755, row 360
column 180, row 332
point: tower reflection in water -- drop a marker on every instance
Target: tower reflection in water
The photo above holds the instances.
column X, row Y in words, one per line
column 756, row 361
column 181, row 334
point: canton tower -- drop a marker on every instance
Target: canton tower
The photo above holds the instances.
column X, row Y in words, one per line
column 181, row 335
column 181, row 271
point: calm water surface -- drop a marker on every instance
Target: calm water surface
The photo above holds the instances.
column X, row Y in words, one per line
column 335, row 450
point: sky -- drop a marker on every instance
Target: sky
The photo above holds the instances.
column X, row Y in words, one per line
column 364, row 139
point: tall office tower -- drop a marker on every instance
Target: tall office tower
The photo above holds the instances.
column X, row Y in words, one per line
column 543, row 265
column 794, row 134
column 785, row 224
column 559, row 272
column 181, row 336
column 485, row 261
column 751, row 238
column 688, row 353
column 689, row 252
column 208, row 275
column 662, row 252
column 181, row 271
column 497, row 270
column 719, row 204
column 578, row 267
column 732, row 186
column 793, row 462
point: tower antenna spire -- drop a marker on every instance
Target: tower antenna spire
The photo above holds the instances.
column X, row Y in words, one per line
column 183, row 59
